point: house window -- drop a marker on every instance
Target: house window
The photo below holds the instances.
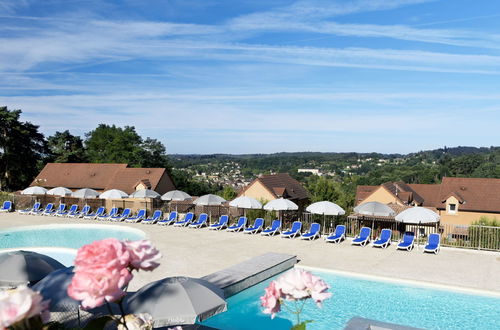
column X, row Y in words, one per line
column 452, row 208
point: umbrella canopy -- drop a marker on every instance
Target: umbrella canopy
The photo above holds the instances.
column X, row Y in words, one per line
column 23, row 267
column 325, row 208
column 281, row 204
column 54, row 287
column 375, row 209
column 113, row 194
column 59, row 191
column 144, row 193
column 176, row 195
column 177, row 301
column 246, row 202
column 209, row 199
column 418, row 215
column 85, row 193
column 34, row 191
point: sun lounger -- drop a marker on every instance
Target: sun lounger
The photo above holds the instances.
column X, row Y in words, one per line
column 141, row 215
column 314, row 232
column 172, row 217
column 363, row 238
column 59, row 209
column 273, row 230
column 80, row 214
column 407, row 242
column 154, row 219
column 6, row 207
column 433, row 243
column 72, row 209
column 257, row 227
column 240, row 225
column 104, row 216
column 337, row 236
column 120, row 217
column 186, row 221
column 294, row 231
column 49, row 208
column 223, row 220
column 100, row 211
column 384, row 240
column 202, row 221
column 34, row 208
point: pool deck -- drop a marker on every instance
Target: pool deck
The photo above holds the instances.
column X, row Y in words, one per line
column 199, row 252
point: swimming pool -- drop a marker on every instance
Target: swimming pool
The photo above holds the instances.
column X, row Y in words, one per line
column 420, row 307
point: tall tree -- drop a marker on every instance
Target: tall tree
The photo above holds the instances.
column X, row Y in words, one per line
column 22, row 148
column 153, row 154
column 66, row 148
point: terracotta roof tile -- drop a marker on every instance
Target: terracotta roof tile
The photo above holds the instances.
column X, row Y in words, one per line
column 282, row 184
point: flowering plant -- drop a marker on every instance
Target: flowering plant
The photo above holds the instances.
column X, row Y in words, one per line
column 294, row 286
column 22, row 308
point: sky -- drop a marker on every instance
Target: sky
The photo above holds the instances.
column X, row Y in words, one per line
column 258, row 76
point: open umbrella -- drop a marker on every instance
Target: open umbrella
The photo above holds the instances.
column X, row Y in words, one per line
column 25, row 267
column 325, row 208
column 144, row 193
column 59, row 191
column 418, row 215
column 177, row 301
column 281, row 204
column 245, row 202
column 85, row 193
column 209, row 200
column 113, row 194
column 35, row 190
column 175, row 195
column 374, row 209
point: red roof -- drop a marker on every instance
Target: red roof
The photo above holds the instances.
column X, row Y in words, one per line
column 282, row 185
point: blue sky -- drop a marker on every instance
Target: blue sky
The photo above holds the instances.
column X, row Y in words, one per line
column 259, row 76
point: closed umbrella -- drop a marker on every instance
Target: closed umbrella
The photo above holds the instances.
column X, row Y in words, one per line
column 209, row 200
column 144, row 193
column 245, row 202
column 85, row 193
column 177, row 301
column 25, row 267
column 417, row 215
column 374, row 209
column 325, row 208
column 113, row 194
column 59, row 191
column 36, row 190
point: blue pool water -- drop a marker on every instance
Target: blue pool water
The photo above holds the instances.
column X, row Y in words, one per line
column 388, row 302
column 68, row 236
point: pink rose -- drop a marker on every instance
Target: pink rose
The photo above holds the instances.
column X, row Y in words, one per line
column 271, row 299
column 143, row 255
column 100, row 285
column 108, row 253
column 21, row 303
column 299, row 284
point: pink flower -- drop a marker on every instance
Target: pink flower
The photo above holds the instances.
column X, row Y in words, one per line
column 96, row 286
column 271, row 299
column 299, row 284
column 21, row 303
column 143, row 255
column 108, row 253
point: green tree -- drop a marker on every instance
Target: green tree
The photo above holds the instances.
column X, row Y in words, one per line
column 153, row 154
column 228, row 193
column 322, row 189
column 66, row 148
column 22, row 148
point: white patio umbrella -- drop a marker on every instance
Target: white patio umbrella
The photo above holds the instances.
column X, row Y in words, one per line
column 281, row 204
column 325, row 208
column 209, row 200
column 374, row 209
column 144, row 193
column 245, row 202
column 418, row 215
column 85, row 193
column 113, row 194
column 59, row 191
column 176, row 195
column 36, row 190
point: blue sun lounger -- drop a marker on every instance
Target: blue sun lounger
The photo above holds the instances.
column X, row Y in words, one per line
column 34, row 208
column 141, row 215
column 433, row 243
column 384, row 240
column 112, row 213
column 6, row 207
column 120, row 217
column 172, row 217
column 186, row 221
column 363, row 238
column 59, row 210
column 313, row 233
column 408, row 241
column 257, row 227
column 100, row 211
column 273, row 230
column 154, row 219
column 223, row 220
column 240, row 225
column 294, row 231
column 202, row 221
column 72, row 209
column 47, row 209
column 337, row 236
column 80, row 214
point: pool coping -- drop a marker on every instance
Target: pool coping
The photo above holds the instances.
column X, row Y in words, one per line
column 72, row 225
column 423, row 284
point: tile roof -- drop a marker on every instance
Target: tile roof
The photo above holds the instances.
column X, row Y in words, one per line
column 282, row 185
column 364, row 191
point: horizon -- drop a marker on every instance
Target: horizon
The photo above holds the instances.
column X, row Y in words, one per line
column 258, row 77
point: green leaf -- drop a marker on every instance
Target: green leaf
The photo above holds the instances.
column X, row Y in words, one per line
column 99, row 323
column 301, row 326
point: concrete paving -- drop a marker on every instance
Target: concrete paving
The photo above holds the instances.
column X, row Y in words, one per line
column 199, row 252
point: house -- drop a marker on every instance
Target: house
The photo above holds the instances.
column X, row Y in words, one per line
column 458, row 201
column 274, row 186
column 101, row 177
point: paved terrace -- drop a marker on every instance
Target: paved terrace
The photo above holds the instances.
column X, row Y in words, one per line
column 199, row 252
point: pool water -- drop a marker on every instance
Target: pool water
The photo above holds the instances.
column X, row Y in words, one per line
column 419, row 307
column 68, row 236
